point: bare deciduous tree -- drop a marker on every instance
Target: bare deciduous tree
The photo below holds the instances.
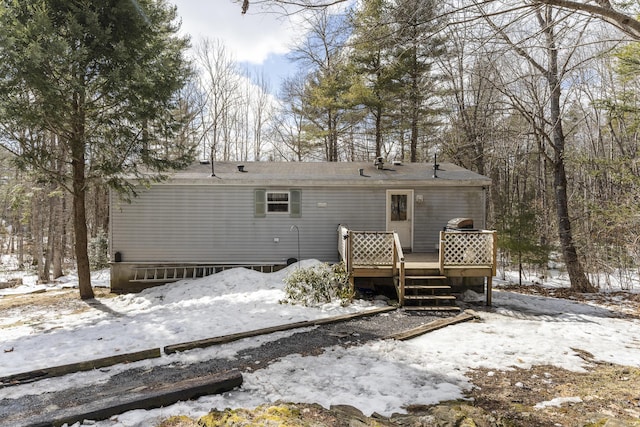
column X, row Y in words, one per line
column 624, row 19
column 221, row 82
column 544, row 110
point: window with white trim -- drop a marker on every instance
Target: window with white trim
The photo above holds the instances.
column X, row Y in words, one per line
column 277, row 202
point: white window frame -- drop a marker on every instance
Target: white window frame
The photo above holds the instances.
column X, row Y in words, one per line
column 269, row 203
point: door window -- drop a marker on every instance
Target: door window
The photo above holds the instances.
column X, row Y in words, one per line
column 399, row 207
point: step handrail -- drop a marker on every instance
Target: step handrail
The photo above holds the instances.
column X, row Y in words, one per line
column 398, row 256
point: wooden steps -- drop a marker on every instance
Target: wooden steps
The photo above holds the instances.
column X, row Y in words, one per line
column 430, row 297
column 430, row 287
column 432, row 308
column 428, row 293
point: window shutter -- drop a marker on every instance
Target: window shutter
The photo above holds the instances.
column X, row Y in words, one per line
column 260, row 203
column 295, row 204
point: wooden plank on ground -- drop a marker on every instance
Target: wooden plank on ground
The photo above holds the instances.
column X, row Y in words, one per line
column 154, row 396
column 208, row 342
column 346, row 317
column 433, row 326
column 56, row 371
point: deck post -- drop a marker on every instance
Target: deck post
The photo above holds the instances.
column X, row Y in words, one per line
column 494, row 265
column 394, row 256
column 401, row 279
column 494, row 237
column 398, row 264
column 441, row 253
column 349, row 266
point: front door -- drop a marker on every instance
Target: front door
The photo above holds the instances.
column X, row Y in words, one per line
column 399, row 216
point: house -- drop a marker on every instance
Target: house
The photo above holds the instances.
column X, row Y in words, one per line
column 267, row 214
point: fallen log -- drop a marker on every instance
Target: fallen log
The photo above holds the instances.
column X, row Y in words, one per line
column 224, row 339
column 56, row 371
column 433, row 326
column 154, row 396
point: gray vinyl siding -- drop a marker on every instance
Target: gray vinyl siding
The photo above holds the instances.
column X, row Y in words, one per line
column 217, row 224
column 199, row 223
column 324, row 209
column 439, row 206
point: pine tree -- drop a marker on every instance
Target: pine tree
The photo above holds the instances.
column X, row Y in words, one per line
column 417, row 45
column 519, row 238
column 103, row 77
column 373, row 66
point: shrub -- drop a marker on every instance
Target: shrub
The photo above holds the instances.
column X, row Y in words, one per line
column 318, row 285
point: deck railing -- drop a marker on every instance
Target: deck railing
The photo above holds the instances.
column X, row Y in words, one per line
column 462, row 254
column 371, row 249
column 468, row 249
column 398, row 261
column 382, row 248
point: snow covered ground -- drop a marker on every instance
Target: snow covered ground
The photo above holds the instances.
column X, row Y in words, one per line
column 384, row 376
column 232, row 301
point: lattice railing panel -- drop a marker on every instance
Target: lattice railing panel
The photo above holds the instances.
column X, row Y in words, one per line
column 468, row 248
column 372, row 248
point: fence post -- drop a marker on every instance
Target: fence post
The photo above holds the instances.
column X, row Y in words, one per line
column 494, row 262
column 349, row 266
column 441, row 253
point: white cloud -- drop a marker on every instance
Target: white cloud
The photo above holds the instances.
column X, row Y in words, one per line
column 251, row 37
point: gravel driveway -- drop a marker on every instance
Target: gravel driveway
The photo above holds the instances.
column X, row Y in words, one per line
column 38, row 409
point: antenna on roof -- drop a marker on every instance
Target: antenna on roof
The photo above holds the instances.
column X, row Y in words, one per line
column 213, row 170
column 436, row 166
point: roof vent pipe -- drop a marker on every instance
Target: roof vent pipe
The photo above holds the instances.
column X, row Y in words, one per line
column 436, row 166
column 379, row 163
column 361, row 171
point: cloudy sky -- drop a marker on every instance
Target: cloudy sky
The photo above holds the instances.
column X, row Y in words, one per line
column 258, row 39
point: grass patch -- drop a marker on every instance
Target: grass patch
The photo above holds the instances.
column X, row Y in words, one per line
column 547, row 395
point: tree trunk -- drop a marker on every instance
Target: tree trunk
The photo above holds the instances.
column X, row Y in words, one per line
column 50, row 238
column 57, row 245
column 21, row 247
column 58, row 220
column 80, row 224
column 378, row 116
column 77, row 145
column 577, row 276
column 415, row 117
column 38, row 227
column 101, row 209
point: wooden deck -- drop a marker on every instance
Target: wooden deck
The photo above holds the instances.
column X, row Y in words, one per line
column 412, row 261
column 423, row 280
column 426, row 261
